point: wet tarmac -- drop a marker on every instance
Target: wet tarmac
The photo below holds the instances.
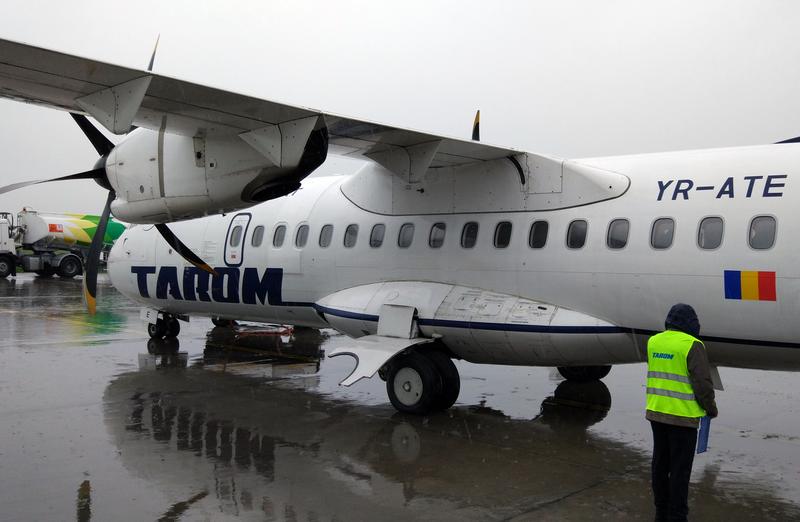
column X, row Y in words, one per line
column 100, row 424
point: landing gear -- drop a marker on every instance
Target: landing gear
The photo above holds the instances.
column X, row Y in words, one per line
column 167, row 326
column 584, row 373
column 422, row 381
column 223, row 323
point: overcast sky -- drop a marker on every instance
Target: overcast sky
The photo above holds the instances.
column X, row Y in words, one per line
column 569, row 78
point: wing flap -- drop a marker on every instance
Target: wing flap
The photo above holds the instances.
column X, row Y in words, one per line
column 371, row 352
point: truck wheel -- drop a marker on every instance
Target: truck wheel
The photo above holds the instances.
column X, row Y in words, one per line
column 6, row 266
column 69, row 267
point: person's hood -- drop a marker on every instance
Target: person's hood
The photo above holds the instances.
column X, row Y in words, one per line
column 682, row 317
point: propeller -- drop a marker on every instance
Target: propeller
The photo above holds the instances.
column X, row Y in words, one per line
column 104, row 146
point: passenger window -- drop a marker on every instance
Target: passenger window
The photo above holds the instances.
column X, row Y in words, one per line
column 325, row 236
column 258, row 236
column 350, row 236
column 376, row 236
column 618, row 234
column 662, row 233
column 279, row 236
column 436, row 239
column 576, row 234
column 502, row 234
column 406, row 235
column 469, row 234
column 709, row 235
column 762, row 232
column 538, row 234
column 236, row 236
column 301, row 237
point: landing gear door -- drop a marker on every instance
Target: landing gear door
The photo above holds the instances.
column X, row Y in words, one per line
column 235, row 240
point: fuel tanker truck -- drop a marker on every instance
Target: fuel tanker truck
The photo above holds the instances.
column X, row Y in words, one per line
column 50, row 243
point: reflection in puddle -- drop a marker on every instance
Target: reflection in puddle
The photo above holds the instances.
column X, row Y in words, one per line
column 256, row 446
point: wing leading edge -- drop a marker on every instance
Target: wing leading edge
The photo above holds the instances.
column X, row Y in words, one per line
column 119, row 97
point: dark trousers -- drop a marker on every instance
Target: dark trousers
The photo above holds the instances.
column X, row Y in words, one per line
column 673, row 454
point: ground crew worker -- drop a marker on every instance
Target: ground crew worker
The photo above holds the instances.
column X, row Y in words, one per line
column 679, row 393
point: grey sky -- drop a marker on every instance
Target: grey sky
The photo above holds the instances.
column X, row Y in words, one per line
column 570, row 78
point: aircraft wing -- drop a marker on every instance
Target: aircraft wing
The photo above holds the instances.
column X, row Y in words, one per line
column 119, row 97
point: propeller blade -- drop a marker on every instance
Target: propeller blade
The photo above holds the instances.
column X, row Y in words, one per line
column 101, row 144
column 89, row 174
column 93, row 257
column 182, row 249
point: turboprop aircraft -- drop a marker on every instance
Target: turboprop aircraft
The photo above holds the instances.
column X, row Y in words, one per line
column 434, row 248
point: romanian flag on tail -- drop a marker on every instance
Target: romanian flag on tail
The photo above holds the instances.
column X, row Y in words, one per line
column 749, row 285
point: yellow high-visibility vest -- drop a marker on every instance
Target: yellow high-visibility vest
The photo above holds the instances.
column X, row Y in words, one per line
column 669, row 389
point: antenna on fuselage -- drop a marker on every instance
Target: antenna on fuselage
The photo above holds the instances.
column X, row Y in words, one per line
column 476, row 127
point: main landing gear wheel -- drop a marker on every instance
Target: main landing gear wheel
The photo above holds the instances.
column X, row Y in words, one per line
column 413, row 383
column 451, row 382
column 584, row 373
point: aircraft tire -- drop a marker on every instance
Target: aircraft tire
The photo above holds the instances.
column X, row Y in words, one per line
column 158, row 329
column 413, row 384
column 6, row 266
column 584, row 373
column 69, row 267
column 173, row 327
column 451, row 382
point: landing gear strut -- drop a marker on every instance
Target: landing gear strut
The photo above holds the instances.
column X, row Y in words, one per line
column 422, row 381
column 166, row 326
column 583, row 373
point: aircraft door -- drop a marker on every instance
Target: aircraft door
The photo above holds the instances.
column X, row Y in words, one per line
column 235, row 239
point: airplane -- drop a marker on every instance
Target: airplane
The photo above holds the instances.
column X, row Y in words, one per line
column 433, row 248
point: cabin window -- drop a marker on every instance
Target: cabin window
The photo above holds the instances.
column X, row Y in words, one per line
column 301, row 237
column 502, row 234
column 469, row 234
column 236, row 236
column 762, row 232
column 406, row 235
column 618, row 234
column 325, row 236
column 709, row 234
column 538, row 234
column 279, row 236
column 662, row 233
column 376, row 236
column 576, row 234
column 350, row 235
column 436, row 239
column 258, row 236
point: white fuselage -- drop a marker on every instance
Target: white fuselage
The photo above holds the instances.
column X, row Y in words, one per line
column 630, row 288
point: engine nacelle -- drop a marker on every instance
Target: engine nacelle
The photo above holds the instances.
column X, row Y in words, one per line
column 159, row 177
